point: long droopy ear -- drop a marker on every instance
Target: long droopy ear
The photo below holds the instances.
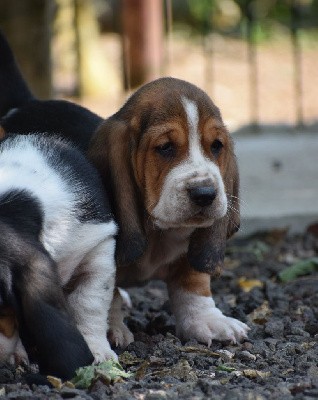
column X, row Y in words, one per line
column 111, row 152
column 207, row 245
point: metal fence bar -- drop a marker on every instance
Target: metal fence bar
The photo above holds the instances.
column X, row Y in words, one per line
column 253, row 67
column 297, row 59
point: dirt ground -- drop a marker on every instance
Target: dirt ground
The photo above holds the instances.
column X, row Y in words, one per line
column 278, row 360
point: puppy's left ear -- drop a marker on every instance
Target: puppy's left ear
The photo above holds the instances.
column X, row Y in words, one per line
column 207, row 245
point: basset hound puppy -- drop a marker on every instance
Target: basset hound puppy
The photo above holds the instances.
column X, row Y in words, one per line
column 168, row 164
column 57, row 266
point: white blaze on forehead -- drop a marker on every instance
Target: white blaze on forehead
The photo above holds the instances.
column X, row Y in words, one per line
column 195, row 150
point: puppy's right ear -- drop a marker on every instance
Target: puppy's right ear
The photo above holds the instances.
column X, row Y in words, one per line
column 111, row 151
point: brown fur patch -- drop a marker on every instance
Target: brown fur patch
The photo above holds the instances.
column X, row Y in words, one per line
column 2, row 133
column 183, row 276
column 7, row 322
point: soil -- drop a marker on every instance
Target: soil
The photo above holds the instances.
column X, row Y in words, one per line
column 278, row 361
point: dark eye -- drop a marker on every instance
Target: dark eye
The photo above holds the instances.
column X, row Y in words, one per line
column 216, row 147
column 166, row 150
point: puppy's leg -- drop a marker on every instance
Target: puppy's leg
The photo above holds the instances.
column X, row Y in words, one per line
column 8, row 335
column 91, row 299
column 197, row 317
column 20, row 354
column 118, row 333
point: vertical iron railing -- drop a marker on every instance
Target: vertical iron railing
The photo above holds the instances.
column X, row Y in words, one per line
column 294, row 13
column 253, row 69
column 297, row 60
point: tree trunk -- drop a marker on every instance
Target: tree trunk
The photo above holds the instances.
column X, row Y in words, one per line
column 142, row 26
column 27, row 26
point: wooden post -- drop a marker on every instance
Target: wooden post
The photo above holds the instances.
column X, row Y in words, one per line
column 142, row 29
column 27, row 26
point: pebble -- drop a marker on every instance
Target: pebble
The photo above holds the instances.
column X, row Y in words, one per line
column 246, row 355
column 275, row 328
column 225, row 354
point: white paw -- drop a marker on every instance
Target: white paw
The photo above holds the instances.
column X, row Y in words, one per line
column 119, row 335
column 101, row 350
column 212, row 326
column 198, row 318
column 20, row 355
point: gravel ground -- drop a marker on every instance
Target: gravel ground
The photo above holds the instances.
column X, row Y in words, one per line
column 278, row 361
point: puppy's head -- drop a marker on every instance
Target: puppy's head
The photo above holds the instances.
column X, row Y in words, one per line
column 177, row 163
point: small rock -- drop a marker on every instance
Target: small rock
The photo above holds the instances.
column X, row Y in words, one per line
column 69, row 393
column 20, row 394
column 246, row 355
column 155, row 395
column 275, row 328
column 6, row 375
column 247, row 345
column 225, row 354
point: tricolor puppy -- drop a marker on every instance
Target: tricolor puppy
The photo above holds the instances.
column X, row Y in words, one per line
column 56, row 255
column 168, row 164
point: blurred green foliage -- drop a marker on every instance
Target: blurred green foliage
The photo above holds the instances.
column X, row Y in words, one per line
column 231, row 16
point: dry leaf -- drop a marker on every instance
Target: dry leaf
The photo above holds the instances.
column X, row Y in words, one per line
column 261, row 314
column 55, row 382
column 248, row 284
column 141, row 371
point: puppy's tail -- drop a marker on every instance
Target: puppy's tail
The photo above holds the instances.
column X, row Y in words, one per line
column 14, row 92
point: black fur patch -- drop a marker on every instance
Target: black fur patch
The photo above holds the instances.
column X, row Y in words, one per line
column 82, row 178
column 129, row 248
column 14, row 92
column 207, row 248
column 22, row 211
column 59, row 347
column 56, row 117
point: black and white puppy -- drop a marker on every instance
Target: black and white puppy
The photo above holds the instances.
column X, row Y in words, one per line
column 57, row 245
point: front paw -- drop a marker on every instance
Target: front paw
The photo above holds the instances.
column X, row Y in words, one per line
column 101, row 350
column 119, row 335
column 20, row 354
column 212, row 325
column 199, row 319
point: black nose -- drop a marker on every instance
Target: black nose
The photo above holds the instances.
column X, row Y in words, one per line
column 203, row 195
